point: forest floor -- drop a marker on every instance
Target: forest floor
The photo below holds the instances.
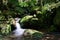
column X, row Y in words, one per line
column 51, row 36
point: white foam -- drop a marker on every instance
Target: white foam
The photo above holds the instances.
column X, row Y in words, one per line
column 18, row 31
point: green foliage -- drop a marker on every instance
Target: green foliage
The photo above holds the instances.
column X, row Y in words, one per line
column 52, row 28
column 48, row 7
column 27, row 3
column 6, row 29
column 43, row 16
column 26, row 18
column 41, row 11
column 2, row 17
column 23, row 4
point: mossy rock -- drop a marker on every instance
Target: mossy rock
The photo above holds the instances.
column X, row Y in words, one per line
column 37, row 35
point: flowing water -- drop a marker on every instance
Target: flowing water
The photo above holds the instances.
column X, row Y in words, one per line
column 18, row 31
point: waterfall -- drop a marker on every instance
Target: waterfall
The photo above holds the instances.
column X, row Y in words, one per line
column 18, row 31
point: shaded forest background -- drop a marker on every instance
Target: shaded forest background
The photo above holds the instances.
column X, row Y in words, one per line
column 42, row 15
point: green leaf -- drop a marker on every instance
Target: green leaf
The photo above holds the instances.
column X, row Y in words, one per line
column 25, row 18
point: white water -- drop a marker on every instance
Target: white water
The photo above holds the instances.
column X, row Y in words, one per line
column 18, row 31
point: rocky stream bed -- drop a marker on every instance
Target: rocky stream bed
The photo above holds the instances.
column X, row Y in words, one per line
column 47, row 36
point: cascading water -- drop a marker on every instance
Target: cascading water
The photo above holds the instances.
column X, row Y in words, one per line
column 18, row 31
